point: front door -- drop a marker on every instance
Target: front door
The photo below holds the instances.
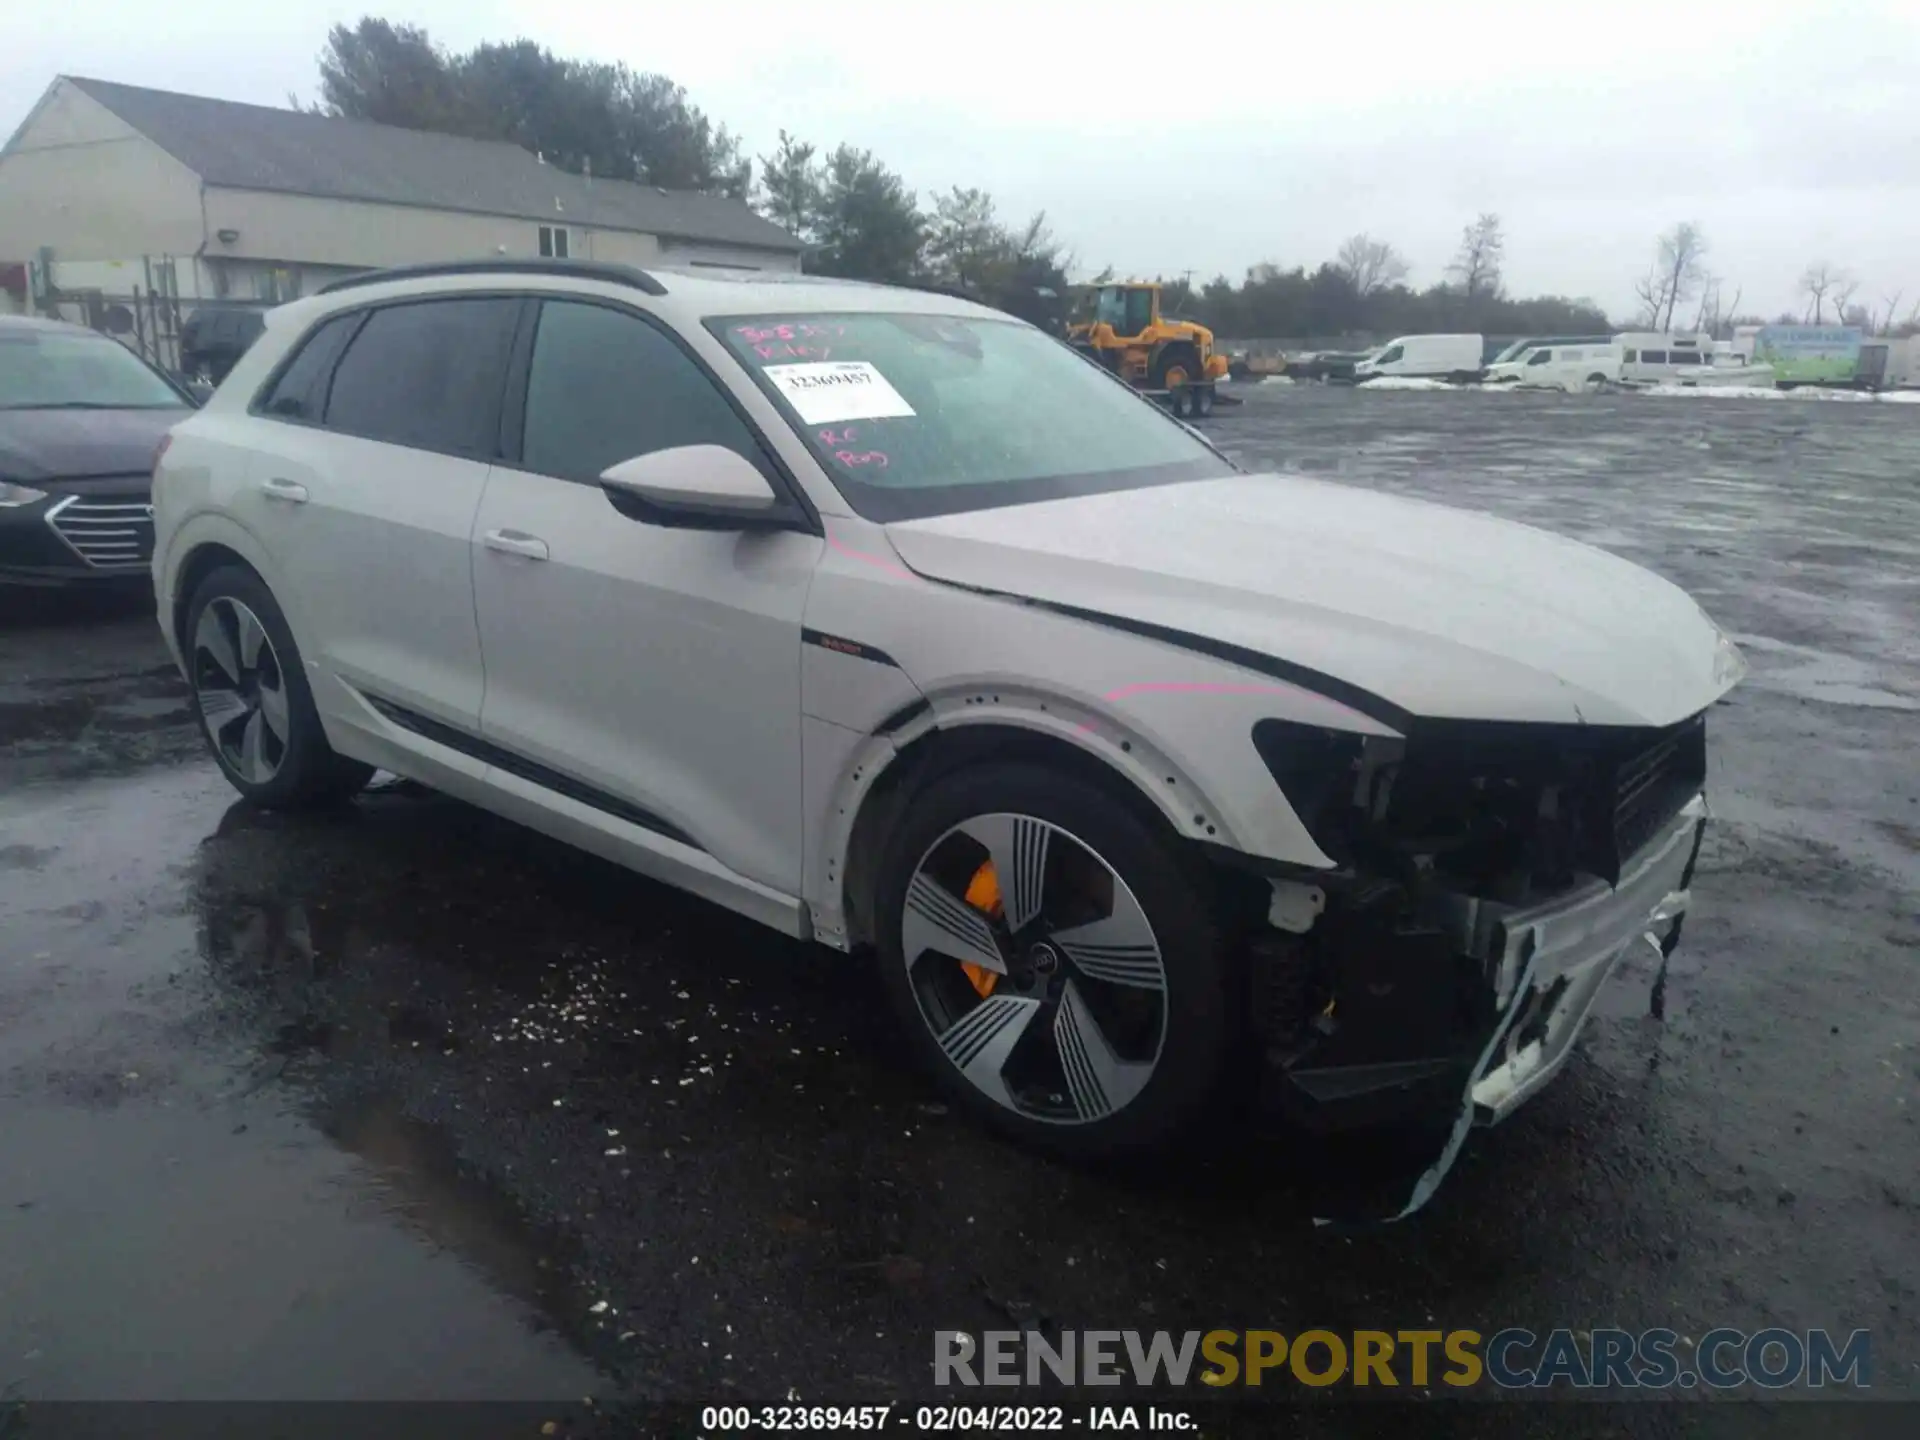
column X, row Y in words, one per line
column 653, row 672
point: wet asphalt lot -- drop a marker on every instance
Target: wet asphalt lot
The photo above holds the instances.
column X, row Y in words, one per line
column 387, row 1103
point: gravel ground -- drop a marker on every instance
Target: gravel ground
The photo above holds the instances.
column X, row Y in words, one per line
column 387, row 1103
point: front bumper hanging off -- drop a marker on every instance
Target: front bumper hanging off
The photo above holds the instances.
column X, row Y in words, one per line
column 1565, row 951
column 1543, row 967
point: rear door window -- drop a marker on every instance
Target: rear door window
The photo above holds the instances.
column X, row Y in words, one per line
column 427, row 374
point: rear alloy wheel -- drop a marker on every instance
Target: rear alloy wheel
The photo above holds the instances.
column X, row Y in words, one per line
column 251, row 696
column 1067, row 990
column 241, row 690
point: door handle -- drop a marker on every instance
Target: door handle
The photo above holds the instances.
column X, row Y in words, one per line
column 285, row 490
column 516, row 542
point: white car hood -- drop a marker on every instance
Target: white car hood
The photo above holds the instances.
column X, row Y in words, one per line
column 1439, row 612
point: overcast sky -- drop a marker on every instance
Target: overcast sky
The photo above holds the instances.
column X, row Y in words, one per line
column 1162, row 139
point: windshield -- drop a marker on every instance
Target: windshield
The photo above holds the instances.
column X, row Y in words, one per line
column 916, row 415
column 52, row 369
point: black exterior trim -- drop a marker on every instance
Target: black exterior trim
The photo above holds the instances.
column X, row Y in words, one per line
column 544, row 776
column 1373, row 706
column 840, row 645
column 567, row 269
column 904, row 716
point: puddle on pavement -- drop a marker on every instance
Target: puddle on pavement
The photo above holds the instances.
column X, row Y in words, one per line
column 172, row 1226
column 175, row 1251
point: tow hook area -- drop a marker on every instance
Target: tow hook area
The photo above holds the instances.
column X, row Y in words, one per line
column 1420, row 1011
column 1367, row 1018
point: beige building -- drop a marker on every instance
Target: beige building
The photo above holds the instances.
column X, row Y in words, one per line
column 131, row 206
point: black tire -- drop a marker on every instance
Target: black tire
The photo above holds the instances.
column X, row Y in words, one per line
column 1200, row 401
column 1172, row 889
column 308, row 772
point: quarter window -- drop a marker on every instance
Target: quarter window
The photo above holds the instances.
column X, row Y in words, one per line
column 301, row 391
column 604, row 387
column 428, row 375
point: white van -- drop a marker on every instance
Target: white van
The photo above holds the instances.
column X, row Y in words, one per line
column 1651, row 357
column 1560, row 367
column 1431, row 357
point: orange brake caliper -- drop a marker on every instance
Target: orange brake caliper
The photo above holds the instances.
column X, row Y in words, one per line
column 983, row 893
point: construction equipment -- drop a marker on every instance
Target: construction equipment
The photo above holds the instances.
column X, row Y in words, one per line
column 1120, row 327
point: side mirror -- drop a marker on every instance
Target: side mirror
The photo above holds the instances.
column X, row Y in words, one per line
column 697, row 487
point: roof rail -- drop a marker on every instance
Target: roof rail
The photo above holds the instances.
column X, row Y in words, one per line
column 577, row 269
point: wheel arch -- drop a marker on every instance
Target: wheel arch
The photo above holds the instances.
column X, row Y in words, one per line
column 892, row 769
column 200, row 562
column 202, row 545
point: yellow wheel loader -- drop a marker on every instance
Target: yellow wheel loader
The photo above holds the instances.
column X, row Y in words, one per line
column 1120, row 327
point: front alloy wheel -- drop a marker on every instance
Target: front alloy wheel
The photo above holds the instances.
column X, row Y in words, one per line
column 1035, row 969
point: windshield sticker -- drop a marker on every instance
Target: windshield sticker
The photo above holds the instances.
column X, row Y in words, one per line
column 827, row 393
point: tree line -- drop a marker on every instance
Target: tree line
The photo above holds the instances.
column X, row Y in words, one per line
column 1680, row 281
column 1362, row 291
column 858, row 217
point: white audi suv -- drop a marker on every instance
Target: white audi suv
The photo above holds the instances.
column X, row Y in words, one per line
column 893, row 623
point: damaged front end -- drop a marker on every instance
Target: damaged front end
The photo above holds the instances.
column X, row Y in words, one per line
column 1489, row 878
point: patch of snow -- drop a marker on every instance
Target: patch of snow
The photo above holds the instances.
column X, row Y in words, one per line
column 1761, row 392
column 1407, row 382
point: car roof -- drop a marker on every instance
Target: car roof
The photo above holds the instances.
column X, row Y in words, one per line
column 688, row 296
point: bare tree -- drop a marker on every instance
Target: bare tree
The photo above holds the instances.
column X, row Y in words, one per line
column 1369, row 264
column 1677, row 273
column 1844, row 286
column 1820, row 279
column 1477, row 263
column 1883, row 322
column 1712, row 314
column 1652, row 296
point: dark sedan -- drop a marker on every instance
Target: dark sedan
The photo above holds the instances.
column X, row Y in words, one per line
column 80, row 418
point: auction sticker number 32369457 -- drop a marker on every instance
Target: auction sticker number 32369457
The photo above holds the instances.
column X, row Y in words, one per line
column 828, row 392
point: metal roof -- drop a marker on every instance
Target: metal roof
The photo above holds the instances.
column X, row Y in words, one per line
column 255, row 147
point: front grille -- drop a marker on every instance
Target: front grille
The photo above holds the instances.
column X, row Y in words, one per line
column 1650, row 787
column 109, row 534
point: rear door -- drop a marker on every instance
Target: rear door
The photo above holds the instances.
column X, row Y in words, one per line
column 650, row 673
column 365, row 499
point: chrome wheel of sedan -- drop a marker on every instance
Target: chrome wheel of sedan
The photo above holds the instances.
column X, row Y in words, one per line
column 1035, row 969
column 241, row 690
